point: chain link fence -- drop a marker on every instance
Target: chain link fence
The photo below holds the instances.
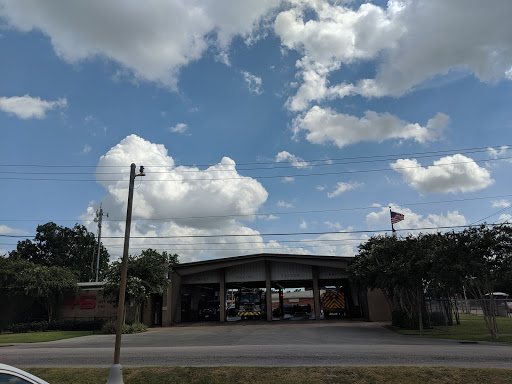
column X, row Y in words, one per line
column 502, row 307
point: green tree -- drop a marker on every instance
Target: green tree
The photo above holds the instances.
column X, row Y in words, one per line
column 398, row 267
column 74, row 248
column 488, row 260
column 47, row 284
column 147, row 273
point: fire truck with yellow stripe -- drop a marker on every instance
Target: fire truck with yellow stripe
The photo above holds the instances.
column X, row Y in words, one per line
column 333, row 303
column 250, row 304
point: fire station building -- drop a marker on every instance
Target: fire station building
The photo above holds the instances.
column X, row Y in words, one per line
column 208, row 284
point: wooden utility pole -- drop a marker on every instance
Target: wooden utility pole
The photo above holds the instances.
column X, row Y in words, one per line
column 115, row 375
column 99, row 220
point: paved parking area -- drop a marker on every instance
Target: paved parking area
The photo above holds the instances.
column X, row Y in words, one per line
column 338, row 343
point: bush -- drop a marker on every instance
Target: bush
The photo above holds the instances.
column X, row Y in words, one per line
column 437, row 318
column 110, row 328
column 400, row 319
column 56, row 325
column 139, row 327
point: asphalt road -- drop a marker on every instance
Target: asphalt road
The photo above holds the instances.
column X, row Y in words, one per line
column 260, row 344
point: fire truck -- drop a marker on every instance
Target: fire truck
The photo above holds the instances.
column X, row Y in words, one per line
column 251, row 304
column 333, row 303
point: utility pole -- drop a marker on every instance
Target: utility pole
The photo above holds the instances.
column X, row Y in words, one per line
column 98, row 219
column 115, row 375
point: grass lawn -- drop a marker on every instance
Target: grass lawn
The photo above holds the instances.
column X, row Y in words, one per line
column 471, row 328
column 37, row 337
column 265, row 375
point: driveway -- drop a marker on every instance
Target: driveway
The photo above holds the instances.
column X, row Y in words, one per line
column 336, row 343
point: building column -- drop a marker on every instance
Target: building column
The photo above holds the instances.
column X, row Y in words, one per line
column 222, row 296
column 175, row 299
column 316, row 292
column 268, row 287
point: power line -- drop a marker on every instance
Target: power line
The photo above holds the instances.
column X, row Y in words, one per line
column 281, row 234
column 269, row 213
column 326, row 160
column 291, row 164
column 260, row 177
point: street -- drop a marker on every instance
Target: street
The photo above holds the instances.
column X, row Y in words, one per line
column 337, row 343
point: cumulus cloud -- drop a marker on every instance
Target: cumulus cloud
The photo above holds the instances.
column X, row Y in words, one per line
column 342, row 187
column 179, row 128
column 27, row 107
column 381, row 219
column 152, row 40
column 253, row 83
column 179, row 208
column 288, row 179
column 505, row 218
column 6, row 230
column 284, row 204
column 500, row 203
column 449, row 174
column 295, row 161
column 335, row 244
column 497, row 152
column 412, row 41
column 323, row 125
column 174, row 201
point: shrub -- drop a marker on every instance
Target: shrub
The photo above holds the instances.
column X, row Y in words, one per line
column 400, row 319
column 139, row 327
column 55, row 325
column 437, row 318
column 110, row 328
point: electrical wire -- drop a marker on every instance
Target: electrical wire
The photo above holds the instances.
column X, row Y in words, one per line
column 282, row 234
column 111, row 219
column 261, row 177
column 414, row 154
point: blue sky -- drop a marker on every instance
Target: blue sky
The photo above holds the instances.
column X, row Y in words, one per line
column 303, row 119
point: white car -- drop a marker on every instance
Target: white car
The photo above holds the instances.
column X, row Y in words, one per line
column 12, row 375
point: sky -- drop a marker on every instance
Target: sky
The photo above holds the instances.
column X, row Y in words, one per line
column 263, row 126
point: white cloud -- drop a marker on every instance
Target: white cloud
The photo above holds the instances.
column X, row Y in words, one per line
column 295, row 161
column 335, row 244
column 288, row 179
column 382, row 220
column 449, row 174
column 303, row 224
column 505, row 218
column 411, row 40
column 342, row 187
column 495, row 153
column 323, row 125
column 179, row 128
column 336, row 226
column 174, row 197
column 6, row 230
column 86, row 149
column 253, row 83
column 284, row 204
column 27, row 107
column 153, row 40
column 321, row 187
column 500, row 203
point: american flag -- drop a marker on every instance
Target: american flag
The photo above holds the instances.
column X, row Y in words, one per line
column 396, row 217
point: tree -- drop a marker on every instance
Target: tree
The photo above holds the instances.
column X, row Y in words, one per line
column 147, row 273
column 488, row 260
column 477, row 258
column 74, row 248
column 47, row 284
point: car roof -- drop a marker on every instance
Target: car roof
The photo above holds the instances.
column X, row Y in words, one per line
column 4, row 368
